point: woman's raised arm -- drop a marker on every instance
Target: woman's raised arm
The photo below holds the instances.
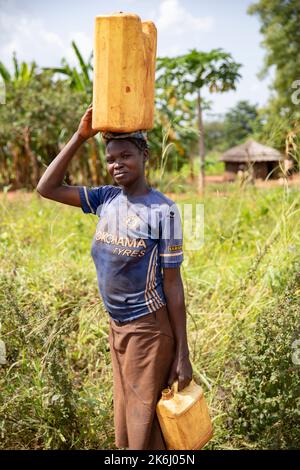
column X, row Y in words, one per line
column 51, row 184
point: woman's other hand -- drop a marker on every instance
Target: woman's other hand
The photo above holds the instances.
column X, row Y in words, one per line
column 85, row 130
column 181, row 371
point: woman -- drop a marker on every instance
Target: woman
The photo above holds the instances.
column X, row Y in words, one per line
column 137, row 251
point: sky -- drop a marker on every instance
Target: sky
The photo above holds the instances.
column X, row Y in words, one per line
column 43, row 31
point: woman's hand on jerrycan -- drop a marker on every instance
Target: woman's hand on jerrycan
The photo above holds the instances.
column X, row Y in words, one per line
column 181, row 371
column 85, row 130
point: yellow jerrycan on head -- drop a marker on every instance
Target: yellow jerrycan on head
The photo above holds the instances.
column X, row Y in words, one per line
column 184, row 418
column 124, row 73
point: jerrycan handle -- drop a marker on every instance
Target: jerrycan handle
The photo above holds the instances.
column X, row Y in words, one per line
column 175, row 386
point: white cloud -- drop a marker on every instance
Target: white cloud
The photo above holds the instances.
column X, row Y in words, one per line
column 32, row 40
column 84, row 43
column 173, row 16
column 28, row 37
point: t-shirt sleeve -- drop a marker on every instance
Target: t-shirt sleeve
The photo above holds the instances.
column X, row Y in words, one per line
column 92, row 198
column 171, row 238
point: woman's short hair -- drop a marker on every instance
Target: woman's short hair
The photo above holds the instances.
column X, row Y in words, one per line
column 137, row 138
column 139, row 143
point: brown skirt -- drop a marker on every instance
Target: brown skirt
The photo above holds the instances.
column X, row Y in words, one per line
column 142, row 353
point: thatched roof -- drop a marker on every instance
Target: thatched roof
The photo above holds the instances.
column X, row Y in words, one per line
column 251, row 151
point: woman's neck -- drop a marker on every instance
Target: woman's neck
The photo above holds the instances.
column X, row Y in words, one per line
column 138, row 188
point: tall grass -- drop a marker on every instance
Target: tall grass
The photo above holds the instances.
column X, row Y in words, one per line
column 56, row 387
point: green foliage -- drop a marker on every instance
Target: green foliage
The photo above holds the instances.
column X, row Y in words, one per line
column 46, row 410
column 190, row 72
column 280, row 30
column 240, row 122
column 214, row 135
column 54, row 331
column 79, row 80
column 41, row 406
column 171, row 141
column 45, row 114
column 23, row 73
column 46, row 108
column 212, row 165
column 56, row 388
column 265, row 408
column 180, row 81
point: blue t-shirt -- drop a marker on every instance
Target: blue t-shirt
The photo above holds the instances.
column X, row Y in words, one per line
column 135, row 237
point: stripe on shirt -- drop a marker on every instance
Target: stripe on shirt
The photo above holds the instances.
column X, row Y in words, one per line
column 155, row 302
column 153, row 279
column 172, row 254
column 147, row 293
column 87, row 199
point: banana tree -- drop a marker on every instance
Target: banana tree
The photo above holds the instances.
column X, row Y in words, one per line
column 22, row 72
column 79, row 80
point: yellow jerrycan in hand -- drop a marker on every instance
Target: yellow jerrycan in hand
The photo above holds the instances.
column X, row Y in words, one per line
column 124, row 73
column 184, row 417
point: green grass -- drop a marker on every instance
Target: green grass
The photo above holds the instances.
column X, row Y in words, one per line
column 179, row 181
column 56, row 388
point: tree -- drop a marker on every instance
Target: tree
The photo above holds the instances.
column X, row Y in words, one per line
column 174, row 136
column 187, row 75
column 240, row 122
column 22, row 73
column 38, row 119
column 280, row 27
column 214, row 135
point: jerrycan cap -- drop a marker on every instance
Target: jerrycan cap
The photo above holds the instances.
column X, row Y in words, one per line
column 167, row 393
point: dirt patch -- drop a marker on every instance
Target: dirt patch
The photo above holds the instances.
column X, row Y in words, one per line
column 19, row 194
column 293, row 180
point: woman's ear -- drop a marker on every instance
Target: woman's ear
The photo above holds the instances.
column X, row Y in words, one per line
column 145, row 155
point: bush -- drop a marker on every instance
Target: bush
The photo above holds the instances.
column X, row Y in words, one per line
column 265, row 408
column 51, row 394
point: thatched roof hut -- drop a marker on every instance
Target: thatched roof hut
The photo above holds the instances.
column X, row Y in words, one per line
column 260, row 158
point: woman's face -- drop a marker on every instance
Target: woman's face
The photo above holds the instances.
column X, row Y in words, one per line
column 125, row 162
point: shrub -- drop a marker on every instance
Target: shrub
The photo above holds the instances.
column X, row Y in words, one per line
column 265, row 408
